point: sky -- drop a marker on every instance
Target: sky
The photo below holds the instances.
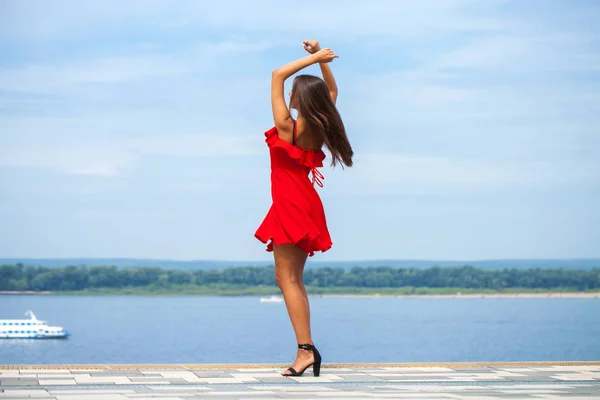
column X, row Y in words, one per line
column 136, row 128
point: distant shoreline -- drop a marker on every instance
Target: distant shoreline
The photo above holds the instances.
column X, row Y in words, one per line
column 523, row 295
column 565, row 295
column 23, row 292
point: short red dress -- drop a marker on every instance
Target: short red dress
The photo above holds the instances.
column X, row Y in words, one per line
column 296, row 215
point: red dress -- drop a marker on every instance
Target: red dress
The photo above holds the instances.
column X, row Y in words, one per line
column 296, row 215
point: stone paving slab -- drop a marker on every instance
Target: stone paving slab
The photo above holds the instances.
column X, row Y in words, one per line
column 337, row 381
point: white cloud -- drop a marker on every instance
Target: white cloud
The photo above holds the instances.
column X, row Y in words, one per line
column 397, row 169
column 67, row 153
column 99, row 72
column 500, row 96
column 110, row 143
column 62, row 77
column 402, row 18
column 110, row 156
column 219, row 144
column 97, row 171
column 523, row 53
column 408, row 17
column 240, row 46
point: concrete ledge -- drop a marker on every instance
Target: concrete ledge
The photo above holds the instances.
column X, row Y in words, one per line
column 457, row 381
column 451, row 365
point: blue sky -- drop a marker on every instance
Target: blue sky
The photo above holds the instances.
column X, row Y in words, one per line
column 135, row 128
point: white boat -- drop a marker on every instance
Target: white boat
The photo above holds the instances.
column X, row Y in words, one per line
column 271, row 299
column 31, row 328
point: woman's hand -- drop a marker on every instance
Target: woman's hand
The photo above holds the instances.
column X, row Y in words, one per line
column 312, row 46
column 325, row 55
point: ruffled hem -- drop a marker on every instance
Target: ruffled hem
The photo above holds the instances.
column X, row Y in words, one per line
column 307, row 237
column 305, row 244
column 308, row 158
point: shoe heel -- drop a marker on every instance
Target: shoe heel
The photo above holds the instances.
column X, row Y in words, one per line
column 317, row 368
column 317, row 364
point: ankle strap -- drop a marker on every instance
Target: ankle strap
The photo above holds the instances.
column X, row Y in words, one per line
column 307, row 346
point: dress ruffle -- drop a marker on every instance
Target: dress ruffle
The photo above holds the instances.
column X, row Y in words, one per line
column 305, row 157
column 307, row 236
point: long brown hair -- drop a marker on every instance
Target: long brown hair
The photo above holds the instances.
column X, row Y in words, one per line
column 321, row 117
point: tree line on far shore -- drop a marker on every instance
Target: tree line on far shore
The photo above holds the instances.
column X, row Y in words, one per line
column 18, row 277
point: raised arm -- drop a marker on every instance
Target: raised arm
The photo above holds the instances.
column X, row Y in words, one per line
column 281, row 113
column 312, row 46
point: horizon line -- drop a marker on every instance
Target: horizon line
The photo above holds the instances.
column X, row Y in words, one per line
column 336, row 261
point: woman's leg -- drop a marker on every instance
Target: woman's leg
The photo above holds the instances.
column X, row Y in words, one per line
column 289, row 264
column 300, row 280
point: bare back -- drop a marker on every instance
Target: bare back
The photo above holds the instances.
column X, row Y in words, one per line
column 304, row 139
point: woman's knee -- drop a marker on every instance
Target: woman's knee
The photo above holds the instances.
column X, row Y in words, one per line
column 284, row 277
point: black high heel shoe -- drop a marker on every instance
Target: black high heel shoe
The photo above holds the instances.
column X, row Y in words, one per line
column 316, row 364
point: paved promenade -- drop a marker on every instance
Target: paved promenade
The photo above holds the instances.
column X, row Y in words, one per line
column 337, row 381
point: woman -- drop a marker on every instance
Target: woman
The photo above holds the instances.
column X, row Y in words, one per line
column 295, row 225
